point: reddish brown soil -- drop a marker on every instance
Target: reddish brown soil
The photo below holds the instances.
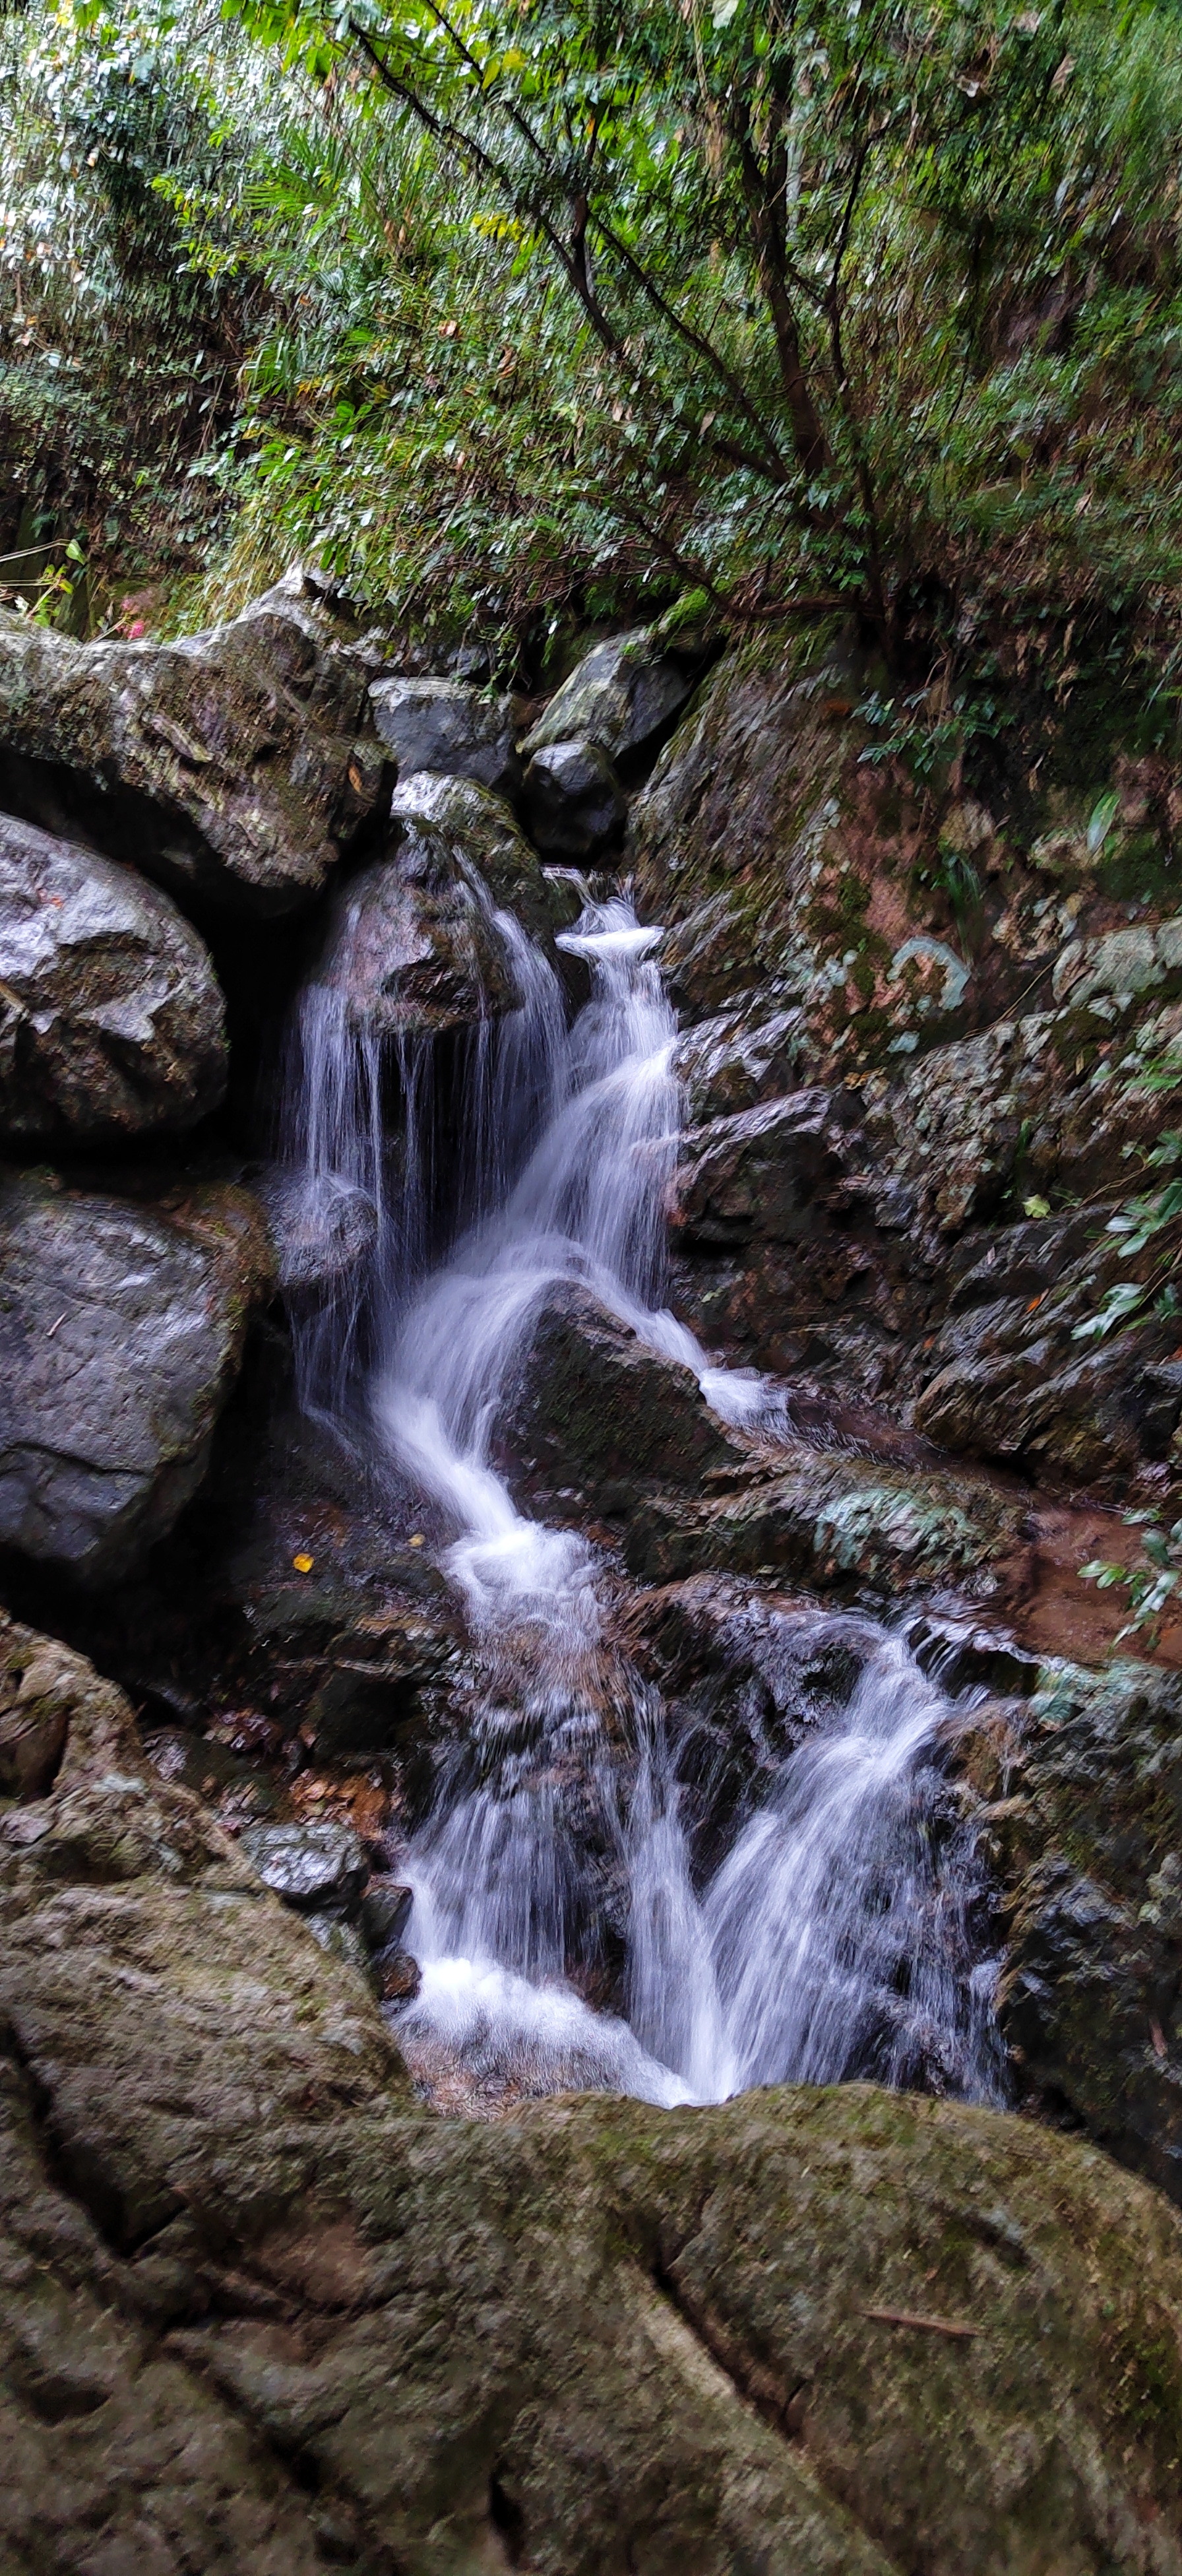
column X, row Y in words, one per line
column 1053, row 1613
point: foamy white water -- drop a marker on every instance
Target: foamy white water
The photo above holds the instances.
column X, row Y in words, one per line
column 836, row 1936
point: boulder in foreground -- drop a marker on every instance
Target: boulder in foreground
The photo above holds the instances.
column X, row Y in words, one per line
column 291, row 2319
column 111, row 1015
column 121, row 1330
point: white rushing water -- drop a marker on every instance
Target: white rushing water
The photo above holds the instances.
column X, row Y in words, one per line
column 836, row 1935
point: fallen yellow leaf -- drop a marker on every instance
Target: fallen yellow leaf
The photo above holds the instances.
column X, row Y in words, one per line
column 417, row 1540
column 303, row 1564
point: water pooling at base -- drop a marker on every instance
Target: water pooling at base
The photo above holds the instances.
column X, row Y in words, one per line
column 836, row 1936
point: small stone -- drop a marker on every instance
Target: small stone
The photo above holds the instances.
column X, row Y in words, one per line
column 312, row 1867
column 384, row 1911
column 400, row 1978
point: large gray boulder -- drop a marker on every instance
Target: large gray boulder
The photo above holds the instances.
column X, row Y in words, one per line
column 414, row 945
column 235, row 764
column 121, row 1330
column 621, row 696
column 111, row 1015
column 449, row 727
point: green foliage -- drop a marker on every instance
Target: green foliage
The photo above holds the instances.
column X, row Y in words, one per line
column 802, row 306
column 118, row 362
column 1152, row 1585
column 545, row 308
column 1149, row 1224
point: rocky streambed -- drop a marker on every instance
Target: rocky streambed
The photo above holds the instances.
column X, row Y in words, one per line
column 445, row 1673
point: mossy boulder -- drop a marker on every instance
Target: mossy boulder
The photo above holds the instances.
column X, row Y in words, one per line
column 234, row 765
column 292, row 2320
column 122, row 1325
column 111, row 1016
column 621, row 697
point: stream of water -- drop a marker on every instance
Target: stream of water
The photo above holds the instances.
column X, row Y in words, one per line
column 836, row 1935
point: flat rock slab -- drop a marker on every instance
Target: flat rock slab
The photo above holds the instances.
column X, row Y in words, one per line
column 235, row 765
column 121, row 1330
column 111, row 1015
column 291, row 2316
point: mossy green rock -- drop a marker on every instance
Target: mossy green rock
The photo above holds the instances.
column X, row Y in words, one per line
column 235, row 765
column 620, row 697
column 258, row 2312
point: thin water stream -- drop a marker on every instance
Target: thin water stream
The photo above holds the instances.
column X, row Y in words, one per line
column 836, row 1936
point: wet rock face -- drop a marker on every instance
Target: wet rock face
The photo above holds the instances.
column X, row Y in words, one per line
column 450, row 728
column 859, row 1529
column 293, row 2318
column 236, row 765
column 483, row 837
column 1090, row 1844
column 620, row 697
column 592, row 1403
column 121, row 1330
column 412, row 948
column 1012, row 1382
column 111, row 1016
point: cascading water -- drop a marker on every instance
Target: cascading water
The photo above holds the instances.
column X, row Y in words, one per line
column 836, row 1935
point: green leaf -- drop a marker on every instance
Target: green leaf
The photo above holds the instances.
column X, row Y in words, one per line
column 1100, row 821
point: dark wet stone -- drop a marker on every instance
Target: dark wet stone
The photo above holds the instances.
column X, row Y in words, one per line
column 111, row 1016
column 592, row 1403
column 400, row 1978
column 450, row 728
column 573, row 799
column 121, row 1330
column 385, row 1908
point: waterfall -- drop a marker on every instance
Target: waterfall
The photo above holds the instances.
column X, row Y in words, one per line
column 838, row 1933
